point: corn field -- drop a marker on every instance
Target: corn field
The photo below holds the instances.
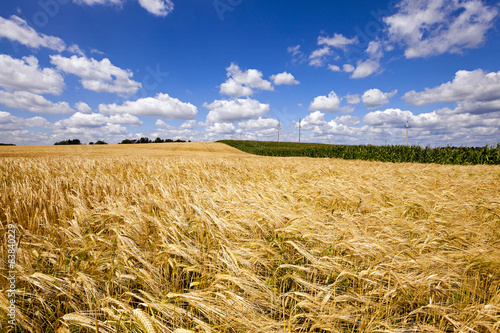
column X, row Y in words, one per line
column 396, row 154
column 204, row 238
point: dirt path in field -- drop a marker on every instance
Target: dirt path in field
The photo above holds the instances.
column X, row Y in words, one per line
column 184, row 149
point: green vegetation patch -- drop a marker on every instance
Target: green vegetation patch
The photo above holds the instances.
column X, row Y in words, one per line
column 396, row 154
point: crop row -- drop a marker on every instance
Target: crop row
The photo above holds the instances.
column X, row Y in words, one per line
column 397, row 154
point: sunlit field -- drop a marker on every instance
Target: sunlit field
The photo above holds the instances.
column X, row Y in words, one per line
column 195, row 237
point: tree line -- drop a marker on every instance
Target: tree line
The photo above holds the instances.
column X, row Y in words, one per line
column 102, row 142
column 147, row 140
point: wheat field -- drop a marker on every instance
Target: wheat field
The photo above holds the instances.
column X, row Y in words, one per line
column 203, row 238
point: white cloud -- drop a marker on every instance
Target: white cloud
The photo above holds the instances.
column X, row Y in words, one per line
column 17, row 29
column 315, row 118
column 83, row 120
column 365, row 68
column 348, row 68
column 220, row 128
column 338, row 41
column 234, row 89
column 374, row 98
column 334, row 68
column 319, row 56
column 191, row 124
column 259, row 124
column 433, row 27
column 240, row 83
column 330, row 103
column 375, row 50
column 347, row 120
column 83, row 108
column 234, row 110
column 284, row 78
column 9, row 122
column 433, row 122
column 100, row 2
column 158, row 7
column 24, row 100
column 467, row 85
column 390, row 117
column 95, row 126
column 100, row 76
column 25, row 74
column 161, row 124
column 76, row 50
column 162, row 105
column 251, row 78
column 352, row 99
column 125, row 119
column 298, row 57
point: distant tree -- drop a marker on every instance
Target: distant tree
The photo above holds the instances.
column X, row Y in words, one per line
column 7, row 144
column 68, row 142
column 91, row 143
column 179, row 140
column 169, row 140
column 144, row 140
column 159, row 140
column 101, row 142
column 128, row 141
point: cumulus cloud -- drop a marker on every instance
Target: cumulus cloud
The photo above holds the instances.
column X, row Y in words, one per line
column 348, row 120
column 374, row 98
column 161, row 124
column 79, row 120
column 337, row 41
column 191, row 124
column 240, row 83
column 365, row 68
column 24, row 100
column 76, row 50
column 251, row 78
column 330, row 103
column 83, row 108
column 259, row 124
column 313, row 119
column 26, row 74
column 284, row 78
column 220, row 128
column 334, row 68
column 162, row 106
column 100, row 76
column 387, row 117
column 17, row 29
column 467, row 85
column 433, row 27
column 352, row 99
column 348, row 68
column 9, row 122
column 234, row 89
column 158, row 7
column 318, row 57
column 233, row 110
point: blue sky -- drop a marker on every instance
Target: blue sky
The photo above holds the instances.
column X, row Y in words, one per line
column 354, row 72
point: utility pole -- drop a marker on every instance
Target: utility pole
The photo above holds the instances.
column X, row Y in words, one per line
column 300, row 121
column 407, row 127
column 279, row 127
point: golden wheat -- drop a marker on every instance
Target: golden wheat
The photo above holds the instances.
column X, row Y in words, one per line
column 203, row 238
